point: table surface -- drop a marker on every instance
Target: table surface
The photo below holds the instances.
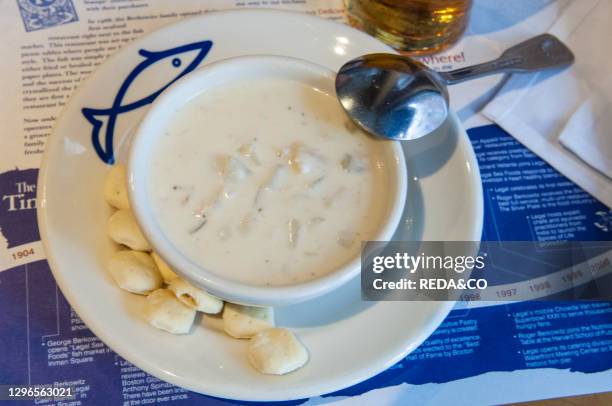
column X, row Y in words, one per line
column 484, row 376
column 599, row 399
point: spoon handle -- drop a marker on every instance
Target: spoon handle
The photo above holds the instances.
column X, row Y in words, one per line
column 538, row 53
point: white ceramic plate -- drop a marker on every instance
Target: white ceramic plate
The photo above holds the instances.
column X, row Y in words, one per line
column 349, row 340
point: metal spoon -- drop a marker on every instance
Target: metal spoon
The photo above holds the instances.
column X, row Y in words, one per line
column 396, row 97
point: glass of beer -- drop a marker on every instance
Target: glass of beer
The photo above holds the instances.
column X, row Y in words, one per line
column 412, row 26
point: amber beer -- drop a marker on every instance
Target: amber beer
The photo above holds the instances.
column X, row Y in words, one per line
column 413, row 26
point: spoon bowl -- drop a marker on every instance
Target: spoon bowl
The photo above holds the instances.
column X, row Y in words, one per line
column 392, row 96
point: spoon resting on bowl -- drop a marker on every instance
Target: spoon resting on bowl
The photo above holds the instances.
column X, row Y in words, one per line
column 398, row 98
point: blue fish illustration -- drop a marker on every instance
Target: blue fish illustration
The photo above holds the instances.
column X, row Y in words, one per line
column 103, row 143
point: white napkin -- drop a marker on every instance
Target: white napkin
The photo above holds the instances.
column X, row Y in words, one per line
column 563, row 117
column 588, row 132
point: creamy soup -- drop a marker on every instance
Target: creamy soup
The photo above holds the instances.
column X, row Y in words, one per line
column 265, row 182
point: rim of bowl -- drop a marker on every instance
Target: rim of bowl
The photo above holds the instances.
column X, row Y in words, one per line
column 179, row 94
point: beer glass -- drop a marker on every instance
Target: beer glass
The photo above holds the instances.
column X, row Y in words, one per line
column 412, row 26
